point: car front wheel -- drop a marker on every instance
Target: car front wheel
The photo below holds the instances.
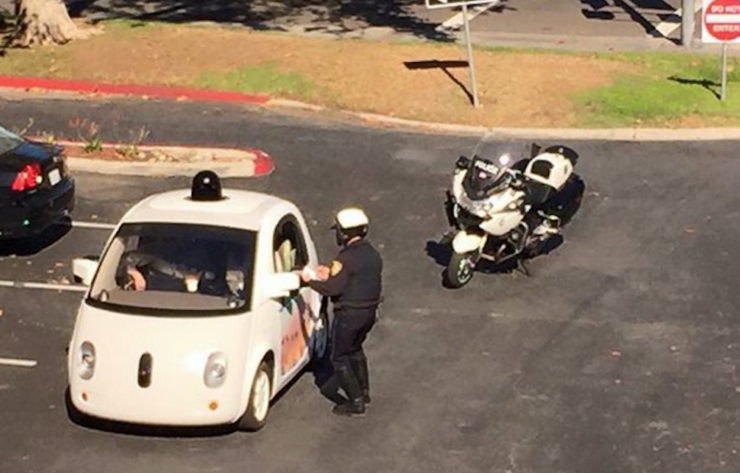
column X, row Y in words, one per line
column 259, row 401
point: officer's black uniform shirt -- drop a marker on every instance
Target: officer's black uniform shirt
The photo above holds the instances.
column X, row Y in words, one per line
column 355, row 281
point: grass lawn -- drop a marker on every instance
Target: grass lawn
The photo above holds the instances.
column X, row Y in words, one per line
column 671, row 88
column 260, row 78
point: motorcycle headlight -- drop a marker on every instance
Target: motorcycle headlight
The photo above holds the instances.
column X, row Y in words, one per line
column 215, row 370
column 86, row 365
column 480, row 208
column 515, row 205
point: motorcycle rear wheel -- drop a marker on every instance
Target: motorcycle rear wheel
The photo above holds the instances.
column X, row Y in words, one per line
column 460, row 269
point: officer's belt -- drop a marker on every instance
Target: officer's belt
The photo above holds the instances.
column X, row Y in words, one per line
column 358, row 304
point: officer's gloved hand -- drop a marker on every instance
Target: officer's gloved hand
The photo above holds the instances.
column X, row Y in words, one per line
column 323, row 272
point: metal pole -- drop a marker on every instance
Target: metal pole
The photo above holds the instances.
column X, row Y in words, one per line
column 687, row 22
column 471, row 66
column 724, row 72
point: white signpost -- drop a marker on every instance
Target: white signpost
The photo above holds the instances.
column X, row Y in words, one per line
column 720, row 23
column 434, row 4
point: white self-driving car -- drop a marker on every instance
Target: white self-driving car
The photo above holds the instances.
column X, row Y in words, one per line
column 194, row 314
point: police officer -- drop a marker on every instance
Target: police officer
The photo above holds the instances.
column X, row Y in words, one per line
column 353, row 281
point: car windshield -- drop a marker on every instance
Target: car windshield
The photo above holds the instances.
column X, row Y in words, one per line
column 176, row 269
column 9, row 141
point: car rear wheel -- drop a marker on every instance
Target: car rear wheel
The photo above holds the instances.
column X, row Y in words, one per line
column 259, row 401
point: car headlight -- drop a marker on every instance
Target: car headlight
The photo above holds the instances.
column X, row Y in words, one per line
column 215, row 371
column 87, row 360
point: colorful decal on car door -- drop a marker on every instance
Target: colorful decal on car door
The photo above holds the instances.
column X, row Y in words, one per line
column 297, row 326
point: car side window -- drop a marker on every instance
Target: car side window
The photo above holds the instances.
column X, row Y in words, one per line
column 289, row 246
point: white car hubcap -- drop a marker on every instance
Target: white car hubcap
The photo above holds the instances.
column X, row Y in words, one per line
column 261, row 401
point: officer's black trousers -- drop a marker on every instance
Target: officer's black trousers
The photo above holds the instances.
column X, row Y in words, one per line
column 349, row 330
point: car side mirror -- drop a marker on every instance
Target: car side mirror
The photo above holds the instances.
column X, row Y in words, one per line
column 281, row 284
column 84, row 269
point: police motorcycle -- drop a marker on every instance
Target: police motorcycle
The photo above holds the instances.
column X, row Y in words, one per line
column 503, row 212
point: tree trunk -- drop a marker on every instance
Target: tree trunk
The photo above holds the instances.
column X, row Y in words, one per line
column 44, row 21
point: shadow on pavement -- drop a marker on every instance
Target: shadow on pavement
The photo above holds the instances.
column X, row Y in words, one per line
column 322, row 368
column 647, row 13
column 331, row 16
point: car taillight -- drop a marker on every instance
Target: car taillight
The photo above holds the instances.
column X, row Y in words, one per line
column 28, row 178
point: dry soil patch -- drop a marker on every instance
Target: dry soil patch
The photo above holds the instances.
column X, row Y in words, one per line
column 515, row 90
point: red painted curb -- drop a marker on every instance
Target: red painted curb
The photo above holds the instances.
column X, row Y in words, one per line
column 262, row 164
column 155, row 91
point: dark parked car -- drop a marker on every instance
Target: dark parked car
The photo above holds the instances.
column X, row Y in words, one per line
column 36, row 190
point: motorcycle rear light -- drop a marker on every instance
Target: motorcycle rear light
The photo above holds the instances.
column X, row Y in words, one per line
column 27, row 178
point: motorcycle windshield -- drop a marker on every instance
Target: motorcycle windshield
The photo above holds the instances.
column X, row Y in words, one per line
column 490, row 165
column 485, row 179
column 501, row 153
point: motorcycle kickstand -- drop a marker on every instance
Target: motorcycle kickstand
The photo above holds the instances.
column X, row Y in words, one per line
column 523, row 268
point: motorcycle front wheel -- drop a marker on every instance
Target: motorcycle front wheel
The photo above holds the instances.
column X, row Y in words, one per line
column 460, row 269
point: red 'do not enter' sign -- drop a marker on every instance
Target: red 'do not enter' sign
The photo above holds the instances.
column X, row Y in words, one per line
column 722, row 19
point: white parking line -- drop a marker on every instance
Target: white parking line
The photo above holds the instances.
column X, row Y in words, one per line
column 456, row 21
column 18, row 362
column 667, row 27
column 42, row 285
column 96, row 225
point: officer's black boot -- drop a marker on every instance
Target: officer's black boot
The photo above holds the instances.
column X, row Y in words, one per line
column 355, row 407
column 359, row 365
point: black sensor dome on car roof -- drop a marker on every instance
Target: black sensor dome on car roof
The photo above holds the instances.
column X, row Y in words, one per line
column 206, row 187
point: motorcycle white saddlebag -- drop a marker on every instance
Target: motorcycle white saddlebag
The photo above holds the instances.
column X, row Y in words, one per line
column 550, row 168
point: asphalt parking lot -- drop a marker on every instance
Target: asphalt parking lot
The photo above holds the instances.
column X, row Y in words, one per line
column 619, row 354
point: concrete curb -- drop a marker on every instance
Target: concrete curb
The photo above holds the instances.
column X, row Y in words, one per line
column 563, row 134
column 129, row 168
column 226, row 162
column 575, row 134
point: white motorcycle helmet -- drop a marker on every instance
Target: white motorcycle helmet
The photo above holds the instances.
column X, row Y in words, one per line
column 349, row 223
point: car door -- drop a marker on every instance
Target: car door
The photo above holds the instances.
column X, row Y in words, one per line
column 291, row 253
